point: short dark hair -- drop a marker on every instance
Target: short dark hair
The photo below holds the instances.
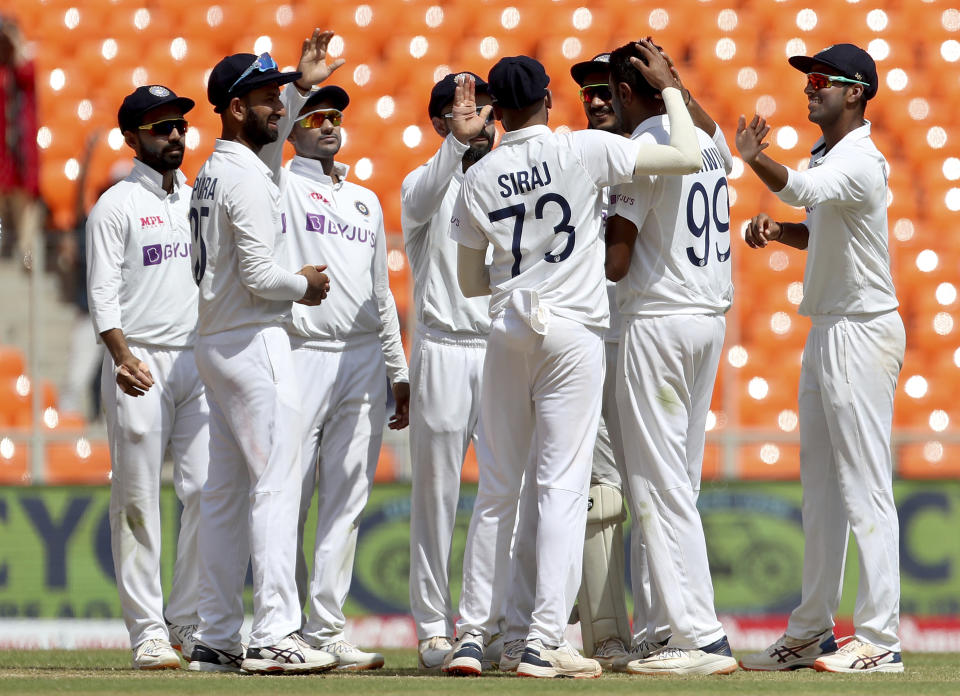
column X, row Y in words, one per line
column 621, row 70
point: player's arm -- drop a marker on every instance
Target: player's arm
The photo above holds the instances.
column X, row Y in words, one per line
column 315, row 69
column 423, row 189
column 762, row 229
column 473, row 274
column 105, row 245
column 621, row 235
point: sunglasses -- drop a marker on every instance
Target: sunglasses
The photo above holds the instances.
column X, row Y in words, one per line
column 479, row 110
column 166, row 126
column 316, row 118
column 600, row 91
column 817, row 80
column 263, row 63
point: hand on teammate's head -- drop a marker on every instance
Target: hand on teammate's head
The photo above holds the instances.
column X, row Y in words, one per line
column 653, row 66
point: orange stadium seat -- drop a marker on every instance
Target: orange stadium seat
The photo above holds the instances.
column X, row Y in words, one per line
column 78, row 461
column 769, row 461
column 12, row 363
column 14, row 462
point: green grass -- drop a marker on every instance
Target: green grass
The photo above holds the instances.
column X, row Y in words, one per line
column 102, row 672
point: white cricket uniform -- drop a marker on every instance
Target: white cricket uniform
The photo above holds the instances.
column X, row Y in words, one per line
column 339, row 349
column 851, row 363
column 138, row 246
column 251, row 500
column 673, row 300
column 446, row 364
column 536, row 200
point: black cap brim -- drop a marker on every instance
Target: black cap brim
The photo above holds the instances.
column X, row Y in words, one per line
column 336, row 96
column 805, row 63
column 185, row 104
column 580, row 71
column 261, row 80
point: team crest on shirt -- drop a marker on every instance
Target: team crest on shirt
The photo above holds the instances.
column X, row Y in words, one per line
column 158, row 91
column 361, row 207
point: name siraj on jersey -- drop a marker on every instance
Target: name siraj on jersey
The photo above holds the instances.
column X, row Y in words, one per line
column 524, row 181
column 204, row 188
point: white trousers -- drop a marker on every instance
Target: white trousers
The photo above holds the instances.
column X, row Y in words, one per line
column 250, row 502
column 343, row 410
column 174, row 413
column 847, row 382
column 541, row 392
column 667, row 367
column 445, row 373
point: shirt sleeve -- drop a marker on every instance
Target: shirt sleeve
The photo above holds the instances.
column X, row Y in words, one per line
column 463, row 229
column 390, row 342
column 423, row 190
column 256, row 218
column 633, row 201
column 840, row 179
column 609, row 159
column 271, row 154
column 105, row 245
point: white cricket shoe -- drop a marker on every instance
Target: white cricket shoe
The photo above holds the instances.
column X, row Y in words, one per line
column 638, row 651
column 432, row 651
column 155, row 653
column 858, row 656
column 715, row 658
column 352, row 659
column 609, row 651
column 466, row 658
column 207, row 659
column 788, row 653
column 291, row 654
column 181, row 638
column 562, row 661
column 512, row 652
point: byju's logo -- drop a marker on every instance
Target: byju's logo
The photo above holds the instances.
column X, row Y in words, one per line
column 152, row 255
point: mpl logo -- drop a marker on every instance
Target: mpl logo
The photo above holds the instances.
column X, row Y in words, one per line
column 317, row 196
column 151, row 221
column 152, row 255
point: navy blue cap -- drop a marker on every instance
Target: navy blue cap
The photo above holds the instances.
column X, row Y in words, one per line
column 142, row 99
column 848, row 60
column 336, row 97
column 442, row 92
column 517, row 82
column 600, row 63
column 224, row 86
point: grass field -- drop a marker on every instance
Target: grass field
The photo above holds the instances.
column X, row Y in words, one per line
column 103, row 672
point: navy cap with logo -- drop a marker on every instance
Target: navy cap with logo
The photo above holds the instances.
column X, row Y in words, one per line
column 336, row 97
column 145, row 98
column 517, row 82
column 600, row 63
column 241, row 73
column 848, row 60
column 442, row 92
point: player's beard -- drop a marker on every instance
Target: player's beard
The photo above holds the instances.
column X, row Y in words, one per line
column 163, row 159
column 256, row 129
column 473, row 154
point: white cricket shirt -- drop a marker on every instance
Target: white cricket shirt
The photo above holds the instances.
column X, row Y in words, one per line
column 428, row 195
column 138, row 261
column 341, row 225
column 681, row 259
column 238, row 232
column 845, row 194
column 536, row 200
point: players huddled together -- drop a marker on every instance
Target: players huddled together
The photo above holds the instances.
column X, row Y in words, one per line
column 570, row 290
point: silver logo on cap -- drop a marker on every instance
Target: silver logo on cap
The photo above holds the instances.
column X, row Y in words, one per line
column 158, row 91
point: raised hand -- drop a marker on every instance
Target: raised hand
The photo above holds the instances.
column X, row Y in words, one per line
column 750, row 137
column 313, row 60
column 654, row 67
column 466, row 123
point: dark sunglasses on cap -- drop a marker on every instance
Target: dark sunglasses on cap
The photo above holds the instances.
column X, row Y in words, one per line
column 817, row 80
column 599, row 91
column 479, row 110
column 165, row 127
column 316, row 118
column 263, row 63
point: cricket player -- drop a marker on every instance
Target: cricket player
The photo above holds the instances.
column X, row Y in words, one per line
column 851, row 363
column 536, row 201
column 250, row 503
column 344, row 350
column 144, row 309
column 449, row 344
column 669, row 236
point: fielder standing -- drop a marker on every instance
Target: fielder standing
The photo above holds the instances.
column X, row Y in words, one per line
column 445, row 367
column 669, row 236
column 851, row 363
column 144, row 309
column 251, row 499
column 536, row 200
column 344, row 350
